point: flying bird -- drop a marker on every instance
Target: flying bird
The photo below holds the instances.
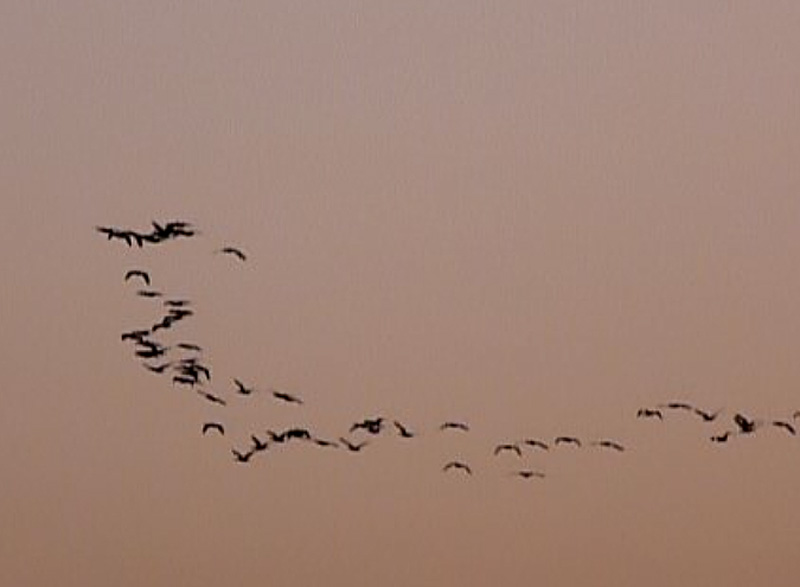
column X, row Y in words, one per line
column 567, row 440
column 720, row 438
column 609, row 444
column 536, row 443
column 326, row 443
column 157, row 368
column 745, row 426
column 507, row 447
column 286, row 397
column 353, row 447
column 233, row 251
column 212, row 398
column 402, row 430
column 149, row 293
column 143, row 275
column 458, row 465
column 649, row 413
column 678, row 406
column 707, row 416
column 786, row 426
column 258, row 444
column 371, row 425
column 454, row 426
column 214, row 426
column 189, row 346
column 176, row 303
column 242, row 388
column 528, row 474
column 242, row 457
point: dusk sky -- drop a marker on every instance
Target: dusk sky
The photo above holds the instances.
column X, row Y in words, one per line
column 532, row 217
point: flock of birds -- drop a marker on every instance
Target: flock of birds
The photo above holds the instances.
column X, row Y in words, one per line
column 184, row 365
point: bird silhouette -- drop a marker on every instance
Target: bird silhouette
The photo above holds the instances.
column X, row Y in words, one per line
column 528, row 474
column 143, row 275
column 258, row 445
column 242, row 388
column 649, row 413
column 457, row 465
column 567, row 440
column 707, row 416
column 176, row 303
column 286, row 397
column 149, row 293
column 745, row 426
column 326, row 443
column 353, row 447
column 678, row 406
column 371, row 425
column 507, row 447
column 454, row 426
column 189, row 346
column 402, row 430
column 242, row 457
column 233, row 251
column 786, row 426
column 214, row 426
column 158, row 368
column 609, row 444
column 533, row 442
column 720, row 438
column 211, row 397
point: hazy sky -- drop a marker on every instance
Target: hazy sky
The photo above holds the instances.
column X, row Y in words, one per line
column 535, row 217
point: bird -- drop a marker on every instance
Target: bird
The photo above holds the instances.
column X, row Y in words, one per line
column 609, row 444
column 528, row 474
column 353, row 447
column 567, row 440
column 678, row 406
column 233, row 251
column 211, row 397
column 507, row 447
column 136, row 335
column 745, row 426
column 242, row 457
column 176, row 303
column 214, row 426
column 143, row 275
column 649, row 413
column 149, row 293
column 402, row 430
column 371, row 425
column 786, row 426
column 457, row 465
column 720, row 438
column 184, row 380
column 536, row 443
column 258, row 444
column 326, row 443
column 157, row 368
column 707, row 416
column 189, row 346
column 242, row 388
column 286, row 397
column 454, row 426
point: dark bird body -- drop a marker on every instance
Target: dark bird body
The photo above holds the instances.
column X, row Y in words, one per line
column 402, row 430
column 212, row 398
column 786, row 426
column 242, row 457
column 353, row 447
column 214, row 426
column 233, row 251
column 528, row 474
column 286, row 397
column 609, row 444
column 457, row 465
column 507, row 447
column 567, row 440
column 143, row 275
column 745, row 426
column 707, row 416
column 454, row 426
column 532, row 442
column 371, row 425
column 649, row 413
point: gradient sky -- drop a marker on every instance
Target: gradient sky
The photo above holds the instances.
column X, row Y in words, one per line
column 536, row 217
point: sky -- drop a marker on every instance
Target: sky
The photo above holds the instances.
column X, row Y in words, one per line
column 532, row 217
